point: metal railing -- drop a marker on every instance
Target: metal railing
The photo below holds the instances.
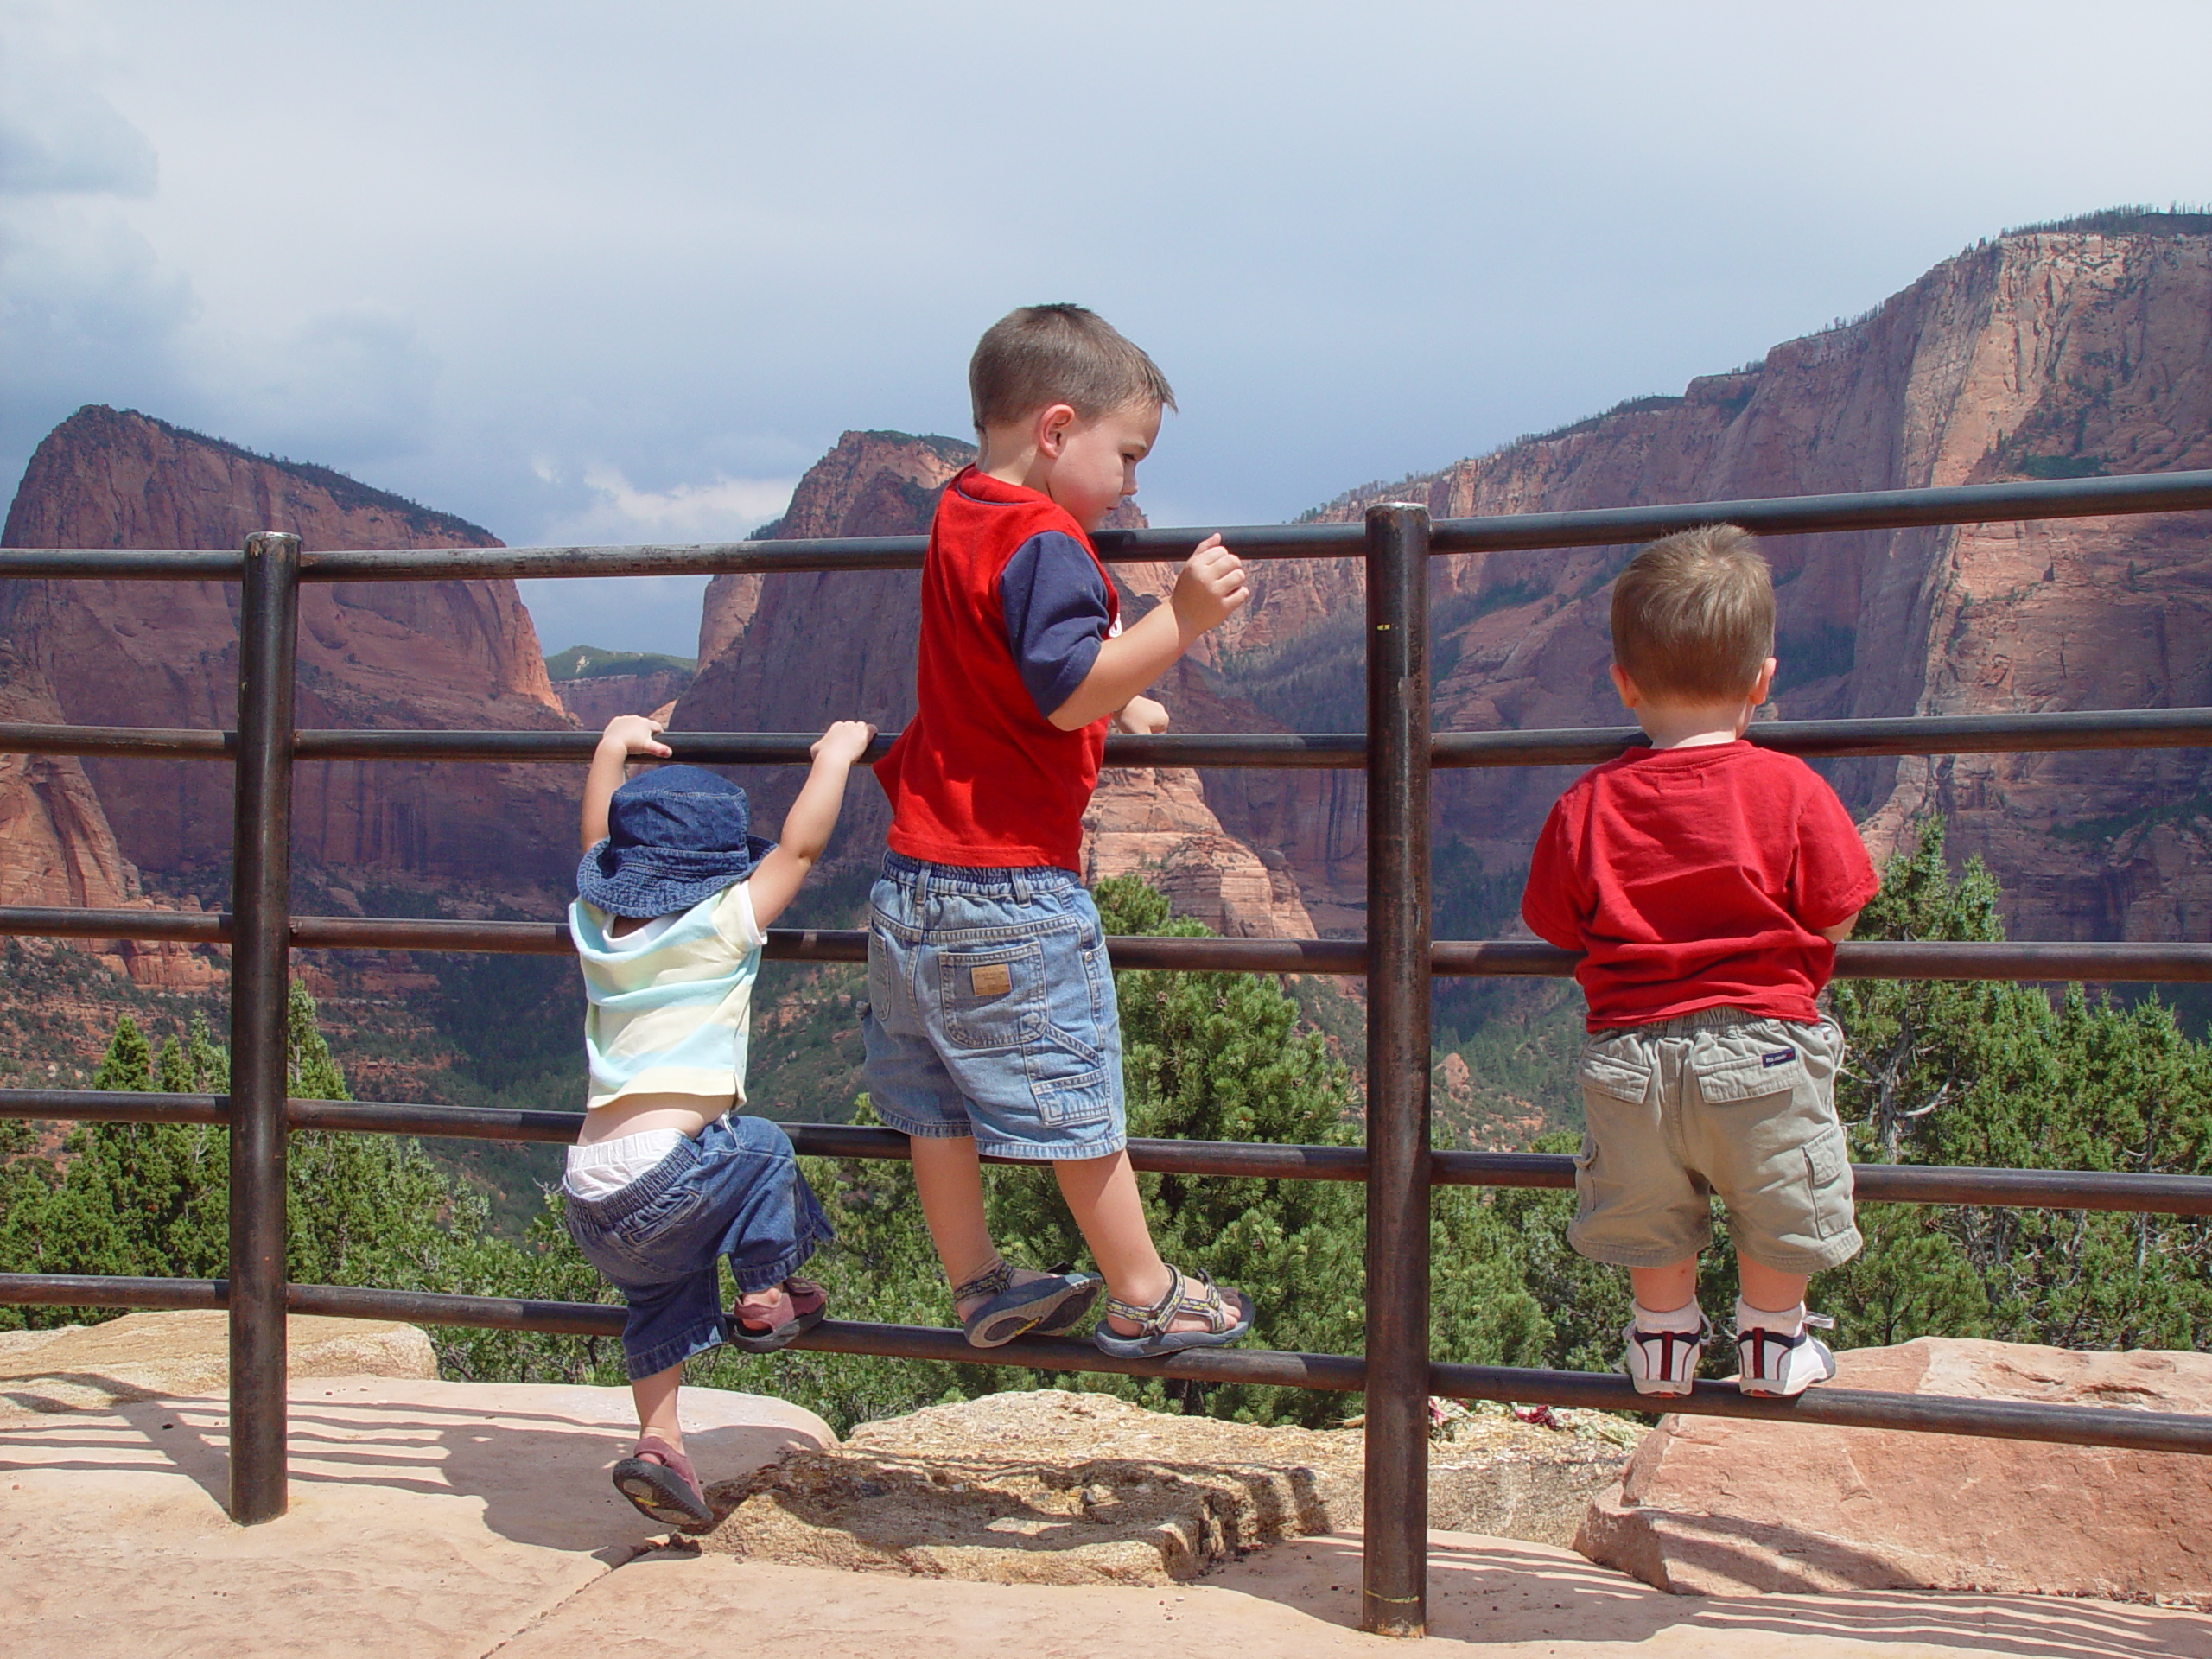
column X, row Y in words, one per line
column 1397, row 1164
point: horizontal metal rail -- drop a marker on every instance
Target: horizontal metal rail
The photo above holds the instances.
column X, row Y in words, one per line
column 2048, row 1189
column 2073, row 498
column 2063, row 732
column 2031, row 961
column 1834, row 1408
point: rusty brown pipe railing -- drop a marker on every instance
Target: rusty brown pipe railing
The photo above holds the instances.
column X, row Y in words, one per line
column 2032, row 960
column 2067, row 732
column 1867, row 510
column 2121, row 1191
column 1834, row 1408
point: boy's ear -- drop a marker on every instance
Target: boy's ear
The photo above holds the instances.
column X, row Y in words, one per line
column 1054, row 422
column 1764, row 684
column 1629, row 696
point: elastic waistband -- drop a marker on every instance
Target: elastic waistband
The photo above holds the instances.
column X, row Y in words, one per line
column 972, row 878
column 1685, row 1025
column 648, row 1186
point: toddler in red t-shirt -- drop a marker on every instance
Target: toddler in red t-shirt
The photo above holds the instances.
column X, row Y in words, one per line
column 1705, row 881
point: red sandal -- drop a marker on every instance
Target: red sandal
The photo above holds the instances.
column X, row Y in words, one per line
column 657, row 1479
column 766, row 1326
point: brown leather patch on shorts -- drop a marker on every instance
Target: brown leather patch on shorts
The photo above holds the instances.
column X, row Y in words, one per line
column 993, row 979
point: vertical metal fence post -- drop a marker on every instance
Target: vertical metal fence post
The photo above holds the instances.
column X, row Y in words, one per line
column 261, row 900
column 1394, row 1577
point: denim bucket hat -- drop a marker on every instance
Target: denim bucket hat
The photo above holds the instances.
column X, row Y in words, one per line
column 675, row 835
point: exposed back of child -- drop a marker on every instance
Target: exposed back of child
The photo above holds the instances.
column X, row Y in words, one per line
column 993, row 1026
column 1706, row 880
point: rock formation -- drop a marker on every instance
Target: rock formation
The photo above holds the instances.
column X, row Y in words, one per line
column 1719, row 1506
column 57, row 849
column 439, row 654
column 2037, row 355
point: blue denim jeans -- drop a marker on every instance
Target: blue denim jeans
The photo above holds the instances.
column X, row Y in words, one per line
column 991, row 1011
column 735, row 1191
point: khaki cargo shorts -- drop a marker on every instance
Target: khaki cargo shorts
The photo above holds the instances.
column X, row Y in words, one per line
column 1719, row 1102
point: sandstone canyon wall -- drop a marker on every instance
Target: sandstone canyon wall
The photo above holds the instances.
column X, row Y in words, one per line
column 2042, row 355
column 436, row 655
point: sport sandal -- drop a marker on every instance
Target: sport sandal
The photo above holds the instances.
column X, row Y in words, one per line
column 657, row 1479
column 1195, row 1294
column 763, row 1329
column 1050, row 1306
column 1776, row 1367
column 1663, row 1361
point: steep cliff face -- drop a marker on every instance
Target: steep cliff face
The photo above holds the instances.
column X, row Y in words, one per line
column 791, row 652
column 447, row 654
column 2039, row 356
column 57, row 849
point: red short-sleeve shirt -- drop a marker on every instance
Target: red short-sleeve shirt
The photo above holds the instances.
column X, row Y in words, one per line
column 1698, row 878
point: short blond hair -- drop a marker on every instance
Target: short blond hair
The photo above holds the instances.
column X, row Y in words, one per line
column 1045, row 354
column 1693, row 615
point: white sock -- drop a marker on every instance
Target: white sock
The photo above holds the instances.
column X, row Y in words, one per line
column 1784, row 1322
column 1688, row 1317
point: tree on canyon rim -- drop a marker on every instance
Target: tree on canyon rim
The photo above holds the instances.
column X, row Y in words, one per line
column 153, row 1198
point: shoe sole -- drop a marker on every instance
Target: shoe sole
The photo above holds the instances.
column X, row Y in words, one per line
column 1046, row 1314
column 657, row 1494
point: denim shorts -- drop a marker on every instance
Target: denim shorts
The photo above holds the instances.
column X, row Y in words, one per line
column 991, row 1011
column 1722, row 1102
column 735, row 1191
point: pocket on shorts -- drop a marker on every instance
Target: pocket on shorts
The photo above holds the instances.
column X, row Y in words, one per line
column 1727, row 1076
column 1828, row 1174
column 992, row 996
column 1086, row 1098
column 1585, row 1187
column 1613, row 1078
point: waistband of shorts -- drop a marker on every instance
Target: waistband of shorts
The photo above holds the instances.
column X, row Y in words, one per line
column 651, row 1184
column 1685, row 1025
column 975, row 878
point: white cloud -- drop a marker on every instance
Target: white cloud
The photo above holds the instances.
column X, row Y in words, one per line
column 721, row 509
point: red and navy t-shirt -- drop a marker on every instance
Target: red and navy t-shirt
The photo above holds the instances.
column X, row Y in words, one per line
column 1698, row 878
column 1015, row 607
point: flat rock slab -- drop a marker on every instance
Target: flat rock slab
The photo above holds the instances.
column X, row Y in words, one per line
column 1046, row 1486
column 1713, row 1505
column 181, row 1352
column 427, row 1518
column 1488, row 1598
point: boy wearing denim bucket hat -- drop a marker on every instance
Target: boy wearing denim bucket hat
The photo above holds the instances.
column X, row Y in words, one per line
column 673, row 898
column 993, row 1026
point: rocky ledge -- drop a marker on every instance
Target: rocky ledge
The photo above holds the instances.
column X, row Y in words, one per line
column 1051, row 1487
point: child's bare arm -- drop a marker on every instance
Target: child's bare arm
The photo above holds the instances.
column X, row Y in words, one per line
column 626, row 735
column 1841, row 931
column 776, row 879
column 1210, row 590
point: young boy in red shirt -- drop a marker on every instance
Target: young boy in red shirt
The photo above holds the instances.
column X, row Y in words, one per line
column 992, row 1026
column 1706, row 883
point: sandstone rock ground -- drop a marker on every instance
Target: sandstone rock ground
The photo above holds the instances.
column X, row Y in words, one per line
column 173, row 1353
column 450, row 1520
column 1715, row 1506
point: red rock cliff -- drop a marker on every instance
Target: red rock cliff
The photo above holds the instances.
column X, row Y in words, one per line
column 446, row 654
column 2036, row 355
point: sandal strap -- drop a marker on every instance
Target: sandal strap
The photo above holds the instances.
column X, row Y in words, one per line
column 1154, row 1321
column 989, row 1282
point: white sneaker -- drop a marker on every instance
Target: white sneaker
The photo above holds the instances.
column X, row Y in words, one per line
column 1773, row 1366
column 1663, row 1361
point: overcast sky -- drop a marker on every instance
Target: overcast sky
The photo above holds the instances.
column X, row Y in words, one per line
column 622, row 272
